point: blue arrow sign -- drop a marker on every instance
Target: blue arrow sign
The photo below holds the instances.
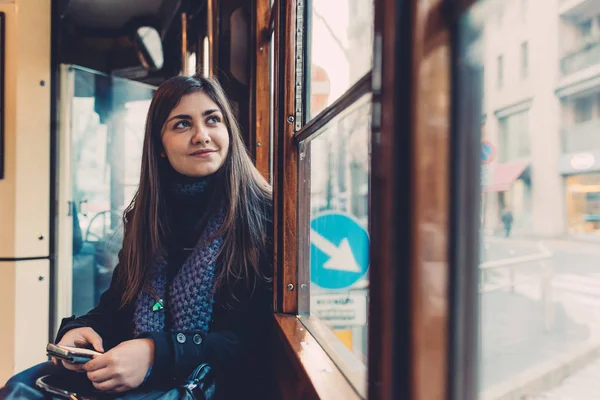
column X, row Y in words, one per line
column 488, row 152
column 339, row 250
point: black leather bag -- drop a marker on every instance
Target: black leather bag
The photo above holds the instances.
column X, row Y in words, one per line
column 200, row 385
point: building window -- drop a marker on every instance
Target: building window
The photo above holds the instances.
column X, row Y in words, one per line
column 514, row 137
column 584, row 109
column 500, row 71
column 524, row 60
column 585, row 28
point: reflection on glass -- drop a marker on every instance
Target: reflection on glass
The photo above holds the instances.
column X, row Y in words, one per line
column 340, row 48
column 108, row 117
column 339, row 241
column 540, row 261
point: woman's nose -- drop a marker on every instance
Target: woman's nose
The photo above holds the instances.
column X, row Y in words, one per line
column 201, row 136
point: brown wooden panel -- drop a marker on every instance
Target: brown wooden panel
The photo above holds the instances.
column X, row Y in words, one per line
column 276, row 179
column 304, row 370
column 285, row 163
column 409, row 203
column 430, row 192
column 382, row 205
column 289, row 167
column 260, row 88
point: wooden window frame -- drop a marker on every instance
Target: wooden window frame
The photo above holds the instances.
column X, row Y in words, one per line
column 415, row 348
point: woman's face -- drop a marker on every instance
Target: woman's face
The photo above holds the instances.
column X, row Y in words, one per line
column 194, row 137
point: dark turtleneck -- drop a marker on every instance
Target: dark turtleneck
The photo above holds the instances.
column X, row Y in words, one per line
column 187, row 201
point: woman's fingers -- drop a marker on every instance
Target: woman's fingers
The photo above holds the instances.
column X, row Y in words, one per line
column 101, row 375
column 107, row 386
column 73, row 367
column 94, row 339
column 98, row 362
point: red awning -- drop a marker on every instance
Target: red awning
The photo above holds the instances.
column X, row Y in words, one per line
column 504, row 175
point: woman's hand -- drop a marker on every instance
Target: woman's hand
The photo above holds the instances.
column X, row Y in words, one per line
column 122, row 368
column 79, row 337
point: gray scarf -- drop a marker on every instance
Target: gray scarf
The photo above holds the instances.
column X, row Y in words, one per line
column 188, row 301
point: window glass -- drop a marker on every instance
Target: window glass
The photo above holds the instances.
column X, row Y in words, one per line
column 340, row 47
column 108, row 119
column 339, row 240
column 539, row 275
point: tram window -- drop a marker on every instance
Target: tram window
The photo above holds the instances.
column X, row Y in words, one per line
column 340, row 47
column 539, row 272
column 339, row 244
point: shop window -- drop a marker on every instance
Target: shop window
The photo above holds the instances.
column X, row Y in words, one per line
column 583, row 203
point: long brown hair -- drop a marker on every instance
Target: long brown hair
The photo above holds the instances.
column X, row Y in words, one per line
column 246, row 198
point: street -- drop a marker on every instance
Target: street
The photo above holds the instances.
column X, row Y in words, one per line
column 534, row 325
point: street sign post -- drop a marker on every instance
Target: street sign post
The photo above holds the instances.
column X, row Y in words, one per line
column 339, row 250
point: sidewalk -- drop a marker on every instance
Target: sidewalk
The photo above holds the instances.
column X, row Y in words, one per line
column 514, row 339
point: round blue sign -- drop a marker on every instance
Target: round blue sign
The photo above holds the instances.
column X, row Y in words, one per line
column 339, row 250
column 488, row 152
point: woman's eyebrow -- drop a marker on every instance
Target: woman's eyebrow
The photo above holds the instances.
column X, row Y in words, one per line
column 180, row 116
column 210, row 111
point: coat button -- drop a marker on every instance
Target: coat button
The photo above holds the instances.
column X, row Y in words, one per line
column 181, row 338
column 197, row 339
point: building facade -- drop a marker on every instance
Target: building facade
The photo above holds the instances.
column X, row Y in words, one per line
column 542, row 113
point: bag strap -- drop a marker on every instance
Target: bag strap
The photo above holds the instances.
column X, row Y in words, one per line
column 201, row 382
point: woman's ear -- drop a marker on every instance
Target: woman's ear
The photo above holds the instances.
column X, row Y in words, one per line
column 162, row 154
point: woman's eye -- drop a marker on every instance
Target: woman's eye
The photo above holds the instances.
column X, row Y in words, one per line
column 182, row 125
column 213, row 119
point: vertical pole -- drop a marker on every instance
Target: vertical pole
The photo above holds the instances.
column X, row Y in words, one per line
column 546, row 294
column 184, row 45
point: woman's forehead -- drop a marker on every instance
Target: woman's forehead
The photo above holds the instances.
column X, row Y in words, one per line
column 194, row 103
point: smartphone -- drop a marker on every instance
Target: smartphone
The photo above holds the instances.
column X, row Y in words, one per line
column 74, row 355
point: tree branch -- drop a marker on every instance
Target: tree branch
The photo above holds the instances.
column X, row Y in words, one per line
column 333, row 34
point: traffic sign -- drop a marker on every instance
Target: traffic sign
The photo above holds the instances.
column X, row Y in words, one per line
column 488, row 152
column 339, row 250
column 340, row 309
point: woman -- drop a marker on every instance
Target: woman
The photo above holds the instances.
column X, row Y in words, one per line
column 193, row 281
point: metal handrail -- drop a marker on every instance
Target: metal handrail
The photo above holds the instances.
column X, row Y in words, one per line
column 545, row 281
column 544, row 254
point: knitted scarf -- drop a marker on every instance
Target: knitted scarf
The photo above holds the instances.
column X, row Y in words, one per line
column 187, row 304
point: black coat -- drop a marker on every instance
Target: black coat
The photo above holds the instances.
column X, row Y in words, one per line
column 238, row 345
